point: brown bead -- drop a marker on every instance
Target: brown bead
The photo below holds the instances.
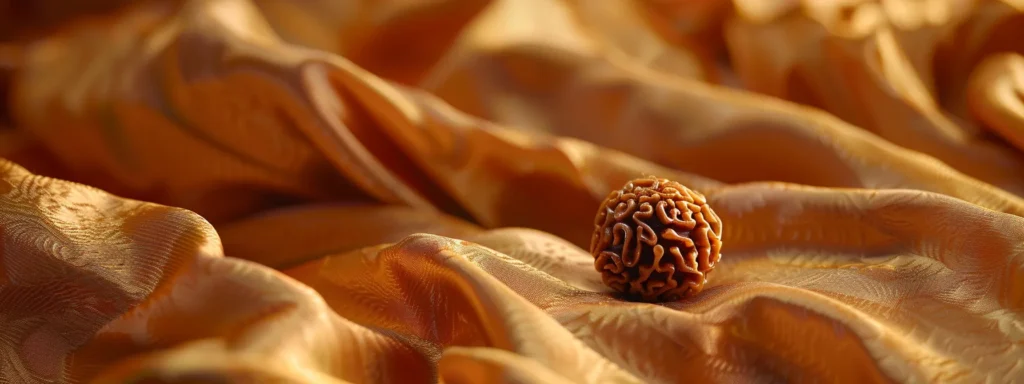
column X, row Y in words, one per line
column 656, row 240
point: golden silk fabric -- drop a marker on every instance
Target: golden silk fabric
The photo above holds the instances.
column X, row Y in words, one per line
column 331, row 191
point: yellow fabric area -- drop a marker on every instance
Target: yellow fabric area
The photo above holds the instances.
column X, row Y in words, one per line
column 369, row 191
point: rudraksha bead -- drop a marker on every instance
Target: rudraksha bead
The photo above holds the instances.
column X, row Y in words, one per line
column 656, row 240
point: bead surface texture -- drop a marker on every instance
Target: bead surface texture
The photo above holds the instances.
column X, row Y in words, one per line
column 656, row 240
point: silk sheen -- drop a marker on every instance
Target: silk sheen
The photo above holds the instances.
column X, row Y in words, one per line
column 329, row 191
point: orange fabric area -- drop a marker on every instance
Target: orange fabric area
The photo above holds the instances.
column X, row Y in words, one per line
column 327, row 191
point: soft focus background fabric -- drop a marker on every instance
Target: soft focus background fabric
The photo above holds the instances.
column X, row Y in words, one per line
column 327, row 191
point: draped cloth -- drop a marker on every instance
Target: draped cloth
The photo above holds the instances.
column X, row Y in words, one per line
column 327, row 191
